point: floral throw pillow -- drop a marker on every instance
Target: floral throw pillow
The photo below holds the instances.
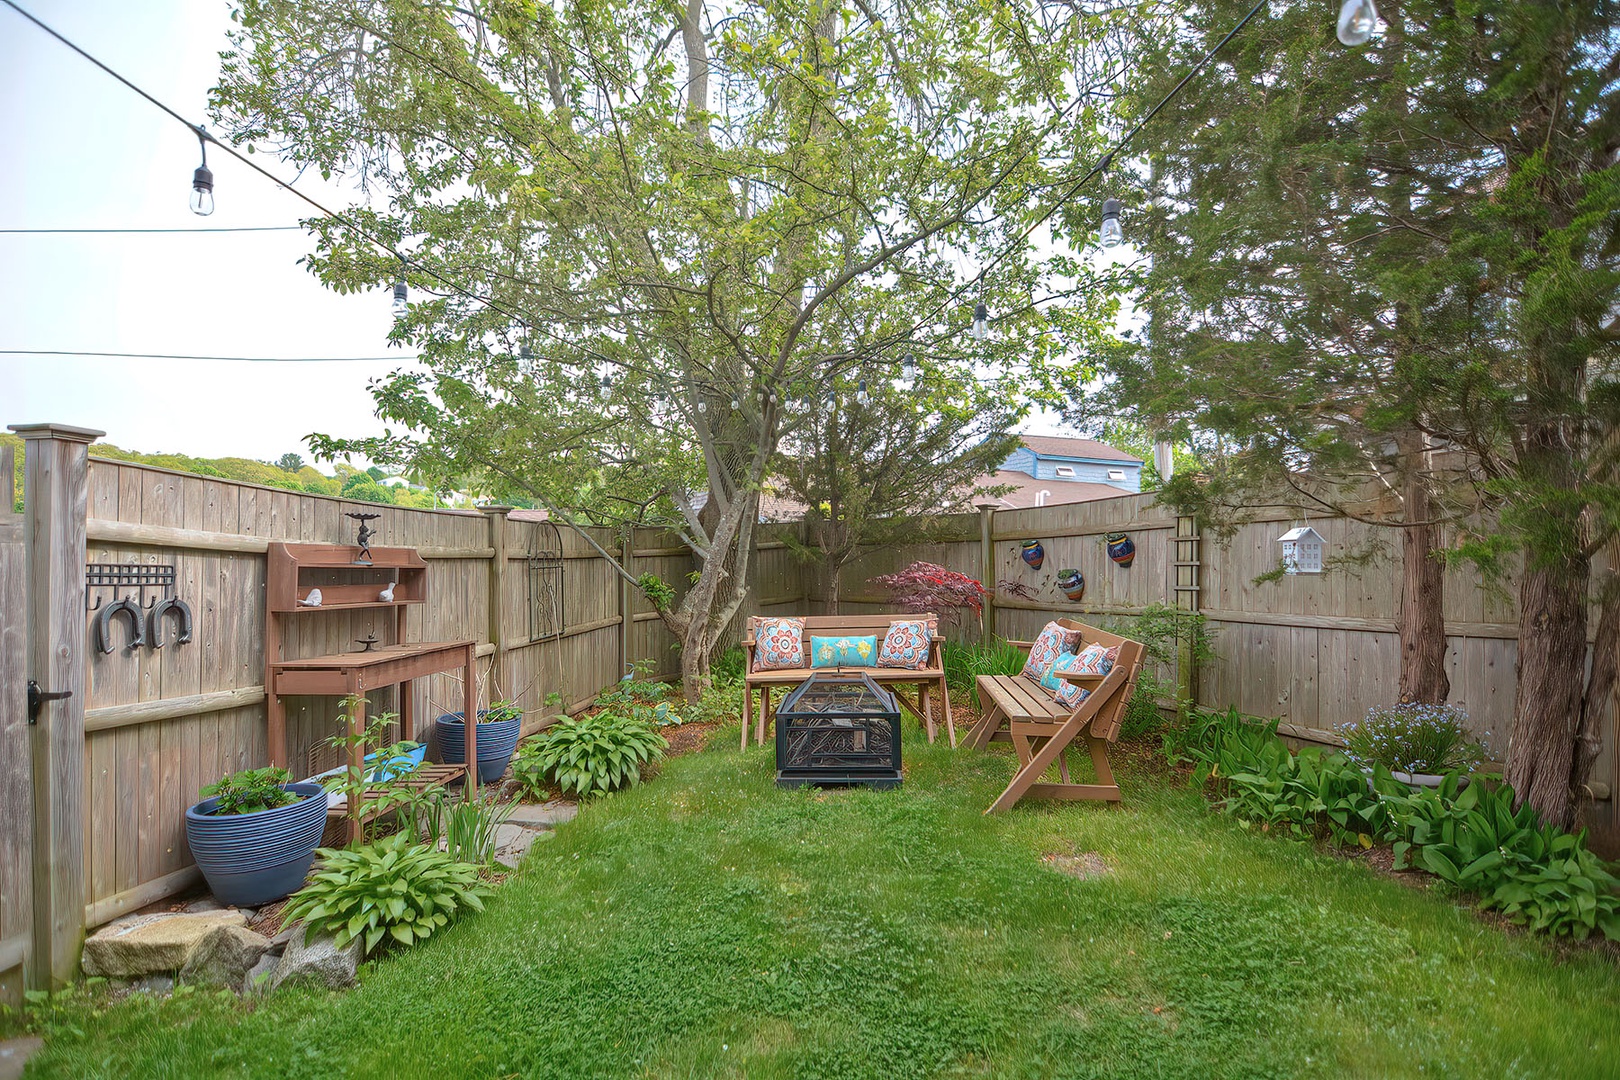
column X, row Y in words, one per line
column 843, row 651
column 779, row 644
column 1053, row 639
column 906, row 645
column 1096, row 659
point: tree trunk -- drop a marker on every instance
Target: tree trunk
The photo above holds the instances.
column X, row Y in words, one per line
column 829, row 587
column 1552, row 674
column 1600, row 684
column 1422, row 622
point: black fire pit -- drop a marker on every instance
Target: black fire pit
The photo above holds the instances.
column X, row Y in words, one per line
column 838, row 728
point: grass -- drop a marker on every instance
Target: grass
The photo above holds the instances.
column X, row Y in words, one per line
column 710, row 925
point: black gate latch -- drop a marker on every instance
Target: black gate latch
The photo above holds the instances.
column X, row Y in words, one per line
column 37, row 699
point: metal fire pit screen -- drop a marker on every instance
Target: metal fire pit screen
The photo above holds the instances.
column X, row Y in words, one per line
column 838, row 729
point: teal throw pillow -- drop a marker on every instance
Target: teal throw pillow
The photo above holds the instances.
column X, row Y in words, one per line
column 843, row 651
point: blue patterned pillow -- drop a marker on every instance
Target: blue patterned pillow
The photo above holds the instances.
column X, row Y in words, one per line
column 1053, row 640
column 906, row 644
column 843, row 651
column 779, row 644
column 1069, row 693
column 1049, row 680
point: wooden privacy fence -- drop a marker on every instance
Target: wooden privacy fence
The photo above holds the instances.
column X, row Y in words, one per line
column 1317, row 650
column 115, row 766
column 92, row 795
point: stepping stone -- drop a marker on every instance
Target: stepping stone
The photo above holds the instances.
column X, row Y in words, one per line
column 14, row 1055
column 542, row 815
column 512, row 842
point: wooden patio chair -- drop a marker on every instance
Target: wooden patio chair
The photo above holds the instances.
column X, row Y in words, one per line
column 1041, row 730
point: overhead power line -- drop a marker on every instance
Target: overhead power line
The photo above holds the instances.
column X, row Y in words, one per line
column 182, row 356
column 200, row 229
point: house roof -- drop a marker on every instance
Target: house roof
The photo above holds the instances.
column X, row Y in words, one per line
column 1026, row 488
column 1087, row 449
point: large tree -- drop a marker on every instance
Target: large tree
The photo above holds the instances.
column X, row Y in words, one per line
column 1382, row 278
column 644, row 231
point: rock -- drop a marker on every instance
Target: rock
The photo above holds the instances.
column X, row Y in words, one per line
column 257, row 980
column 319, row 963
column 158, row 983
column 543, row 816
column 282, row 936
column 14, row 1055
column 224, row 957
column 148, row 943
column 510, row 847
column 206, row 903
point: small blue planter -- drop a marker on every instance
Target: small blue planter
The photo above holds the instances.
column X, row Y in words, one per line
column 398, row 767
column 251, row 859
column 497, row 739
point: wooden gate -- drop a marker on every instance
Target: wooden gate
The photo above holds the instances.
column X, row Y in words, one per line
column 16, row 799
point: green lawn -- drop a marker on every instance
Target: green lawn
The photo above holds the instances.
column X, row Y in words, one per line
column 709, row 925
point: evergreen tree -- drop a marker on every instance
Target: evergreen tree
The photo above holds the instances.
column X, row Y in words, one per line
column 1382, row 278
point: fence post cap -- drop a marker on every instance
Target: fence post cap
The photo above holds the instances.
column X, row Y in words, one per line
column 65, row 432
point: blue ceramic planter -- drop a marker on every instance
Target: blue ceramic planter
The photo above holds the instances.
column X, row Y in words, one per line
column 251, row 859
column 497, row 739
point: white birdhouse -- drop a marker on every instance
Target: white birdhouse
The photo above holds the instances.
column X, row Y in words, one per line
column 1302, row 551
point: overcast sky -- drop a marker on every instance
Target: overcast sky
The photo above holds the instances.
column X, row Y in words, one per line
column 79, row 150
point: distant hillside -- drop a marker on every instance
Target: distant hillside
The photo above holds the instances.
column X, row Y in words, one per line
column 346, row 480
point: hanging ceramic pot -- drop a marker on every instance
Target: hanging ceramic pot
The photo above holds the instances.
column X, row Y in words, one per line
column 1034, row 554
column 1073, row 583
column 1121, row 548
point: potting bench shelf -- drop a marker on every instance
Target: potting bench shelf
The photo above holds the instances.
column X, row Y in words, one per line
column 420, row 779
column 294, row 569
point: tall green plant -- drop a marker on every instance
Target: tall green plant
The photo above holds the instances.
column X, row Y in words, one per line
column 589, row 756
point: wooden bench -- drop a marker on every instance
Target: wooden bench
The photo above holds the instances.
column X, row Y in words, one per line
column 929, row 680
column 1014, row 709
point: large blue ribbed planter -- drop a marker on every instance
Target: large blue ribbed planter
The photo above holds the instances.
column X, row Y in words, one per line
column 497, row 739
column 251, row 859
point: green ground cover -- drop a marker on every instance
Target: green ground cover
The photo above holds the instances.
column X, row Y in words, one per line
column 706, row 924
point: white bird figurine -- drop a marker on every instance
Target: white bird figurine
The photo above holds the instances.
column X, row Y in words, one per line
column 312, row 600
column 387, row 595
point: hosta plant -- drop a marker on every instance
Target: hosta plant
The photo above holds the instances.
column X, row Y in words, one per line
column 393, row 888
column 588, row 756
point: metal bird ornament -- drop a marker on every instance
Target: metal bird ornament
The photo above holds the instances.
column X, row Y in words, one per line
column 312, row 600
column 387, row 595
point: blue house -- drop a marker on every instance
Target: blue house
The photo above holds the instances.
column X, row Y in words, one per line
column 1049, row 470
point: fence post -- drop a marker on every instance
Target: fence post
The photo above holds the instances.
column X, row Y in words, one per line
column 55, row 492
column 987, row 564
column 1188, row 572
column 627, row 599
column 496, row 515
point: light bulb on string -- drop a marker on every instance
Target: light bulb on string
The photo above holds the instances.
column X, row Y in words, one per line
column 202, row 181
column 399, row 307
column 861, row 396
column 1357, row 21
column 981, row 321
column 735, row 404
column 908, row 368
column 1110, row 235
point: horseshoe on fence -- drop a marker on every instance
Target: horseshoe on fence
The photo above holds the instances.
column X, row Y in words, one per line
column 104, row 620
column 182, row 618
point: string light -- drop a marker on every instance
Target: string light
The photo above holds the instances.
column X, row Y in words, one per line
column 202, row 181
column 1110, row 235
column 399, row 306
column 1357, row 21
column 908, row 368
column 981, row 321
column 861, row 396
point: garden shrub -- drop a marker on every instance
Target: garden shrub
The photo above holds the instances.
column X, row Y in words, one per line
column 1470, row 836
column 591, row 755
column 964, row 664
column 249, row 791
column 392, row 888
